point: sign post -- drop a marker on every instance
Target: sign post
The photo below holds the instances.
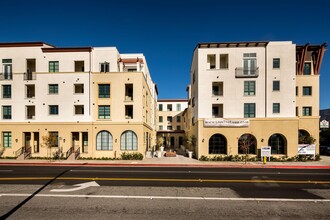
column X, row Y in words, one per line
column 266, row 151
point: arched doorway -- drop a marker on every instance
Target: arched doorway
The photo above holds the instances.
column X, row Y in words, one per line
column 278, row 143
column 218, row 144
column 247, row 144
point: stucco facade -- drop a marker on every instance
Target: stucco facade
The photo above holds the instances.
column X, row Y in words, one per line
column 249, row 89
column 95, row 101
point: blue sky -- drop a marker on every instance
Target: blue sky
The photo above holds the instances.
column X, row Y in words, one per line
column 168, row 31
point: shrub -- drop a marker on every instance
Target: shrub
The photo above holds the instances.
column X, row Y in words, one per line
column 241, row 158
column 131, row 156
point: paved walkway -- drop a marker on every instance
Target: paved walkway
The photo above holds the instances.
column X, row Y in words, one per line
column 178, row 161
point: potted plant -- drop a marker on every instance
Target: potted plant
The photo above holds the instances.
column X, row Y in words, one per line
column 160, row 142
column 191, row 144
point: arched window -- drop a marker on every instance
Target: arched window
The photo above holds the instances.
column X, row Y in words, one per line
column 128, row 141
column 104, row 141
column 304, row 137
column 218, row 144
column 247, row 143
column 278, row 144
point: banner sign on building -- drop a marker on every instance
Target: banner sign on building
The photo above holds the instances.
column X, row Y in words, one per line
column 324, row 124
column 220, row 122
column 306, row 149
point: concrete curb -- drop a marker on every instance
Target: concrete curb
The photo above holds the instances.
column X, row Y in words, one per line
column 265, row 166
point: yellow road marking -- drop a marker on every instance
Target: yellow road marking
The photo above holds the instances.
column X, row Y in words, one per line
column 167, row 180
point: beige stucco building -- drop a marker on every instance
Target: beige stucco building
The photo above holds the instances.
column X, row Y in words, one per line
column 267, row 92
column 91, row 101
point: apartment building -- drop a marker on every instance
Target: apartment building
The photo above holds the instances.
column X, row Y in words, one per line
column 171, row 121
column 264, row 92
column 92, row 101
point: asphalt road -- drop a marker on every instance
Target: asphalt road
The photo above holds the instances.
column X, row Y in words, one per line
column 33, row 192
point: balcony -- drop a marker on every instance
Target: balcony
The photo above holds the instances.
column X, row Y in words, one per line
column 241, row 72
column 30, row 76
column 6, row 76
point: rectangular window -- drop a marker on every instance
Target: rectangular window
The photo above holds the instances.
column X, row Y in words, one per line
column 104, row 90
column 169, row 107
column 30, row 112
column 128, row 92
column 104, row 111
column 129, row 111
column 131, row 70
column 6, row 91
column 53, row 88
column 297, row 111
column 6, row 139
column 276, row 107
column 7, row 69
column 161, row 127
column 193, row 102
column 79, row 88
column 223, row 61
column 211, row 61
column 169, row 128
column 297, row 91
column 307, row 90
column 78, row 109
column 160, row 107
column 104, row 67
column 307, row 111
column 160, row 118
column 30, row 91
column 53, row 109
column 178, row 107
column 53, row 66
column 276, row 63
column 178, row 119
column 169, row 118
column 79, row 66
column 307, row 69
column 217, row 111
column 276, row 85
column 6, row 112
column 249, row 110
column 217, row 88
column 178, row 127
column 249, row 88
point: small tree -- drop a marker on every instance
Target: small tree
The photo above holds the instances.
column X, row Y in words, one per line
column 306, row 139
column 190, row 142
column 160, row 141
column 246, row 142
column 49, row 141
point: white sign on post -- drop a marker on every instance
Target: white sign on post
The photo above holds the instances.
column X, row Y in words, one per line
column 306, row 149
column 266, row 151
column 324, row 124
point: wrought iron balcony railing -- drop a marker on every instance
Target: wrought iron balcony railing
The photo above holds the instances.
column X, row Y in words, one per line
column 30, row 76
column 241, row 72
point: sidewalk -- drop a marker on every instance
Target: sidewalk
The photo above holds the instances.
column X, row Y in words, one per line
column 178, row 161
